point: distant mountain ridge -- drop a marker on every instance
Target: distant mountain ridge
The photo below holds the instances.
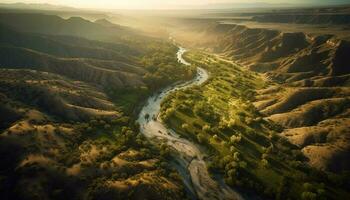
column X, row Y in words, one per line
column 36, row 6
column 262, row 5
column 54, row 25
column 210, row 6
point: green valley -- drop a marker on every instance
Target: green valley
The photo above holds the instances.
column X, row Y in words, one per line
column 68, row 105
column 172, row 100
column 242, row 145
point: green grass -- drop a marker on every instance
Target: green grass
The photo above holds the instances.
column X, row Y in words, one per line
column 224, row 104
column 126, row 99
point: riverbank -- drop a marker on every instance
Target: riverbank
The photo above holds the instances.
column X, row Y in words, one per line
column 190, row 159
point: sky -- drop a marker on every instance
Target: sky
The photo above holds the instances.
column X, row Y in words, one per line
column 159, row 4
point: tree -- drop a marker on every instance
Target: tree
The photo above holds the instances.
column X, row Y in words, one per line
column 231, row 165
column 205, row 111
column 236, row 156
column 168, row 114
column 232, row 123
column 206, row 128
column 232, row 149
column 146, row 116
column 185, row 126
column 232, row 173
column 243, row 164
column 307, row 186
column 102, row 122
column 236, row 139
column 264, row 163
column 273, row 136
column 248, row 120
column 264, row 156
column 216, row 137
column 107, row 126
column 201, row 138
column 164, row 151
column 308, row 196
column 283, row 189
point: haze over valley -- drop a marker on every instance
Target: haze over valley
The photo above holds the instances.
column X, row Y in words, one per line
column 175, row 100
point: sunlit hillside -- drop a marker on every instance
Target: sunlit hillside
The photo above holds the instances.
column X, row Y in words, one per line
column 226, row 100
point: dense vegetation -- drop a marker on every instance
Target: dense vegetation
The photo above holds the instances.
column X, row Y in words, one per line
column 162, row 68
column 127, row 67
column 87, row 162
column 70, row 90
column 311, row 67
column 70, row 100
column 243, row 146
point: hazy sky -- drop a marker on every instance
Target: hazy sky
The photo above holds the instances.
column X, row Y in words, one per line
column 132, row 4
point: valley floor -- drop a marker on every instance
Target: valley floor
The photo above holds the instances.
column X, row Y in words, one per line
column 243, row 146
column 270, row 118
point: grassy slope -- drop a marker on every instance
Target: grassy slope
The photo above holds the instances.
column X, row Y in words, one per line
column 128, row 69
column 58, row 157
column 312, row 70
column 221, row 111
column 47, row 152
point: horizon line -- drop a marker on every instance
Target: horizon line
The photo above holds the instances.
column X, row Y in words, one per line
column 192, row 6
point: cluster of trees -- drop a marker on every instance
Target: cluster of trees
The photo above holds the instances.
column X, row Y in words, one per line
column 313, row 191
column 206, row 112
column 234, row 167
column 160, row 62
column 236, row 138
column 255, row 151
column 104, row 123
column 117, row 135
column 168, row 114
column 201, row 138
column 123, row 135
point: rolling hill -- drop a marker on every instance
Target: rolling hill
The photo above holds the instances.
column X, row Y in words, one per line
column 310, row 82
column 68, row 93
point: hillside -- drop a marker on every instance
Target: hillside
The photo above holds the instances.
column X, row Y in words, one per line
column 304, row 18
column 309, row 76
column 75, row 68
column 56, row 95
column 69, row 91
column 265, row 117
column 120, row 64
column 51, row 139
column 54, row 25
column 330, row 15
column 245, row 147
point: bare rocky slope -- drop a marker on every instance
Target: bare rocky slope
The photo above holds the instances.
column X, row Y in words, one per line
column 309, row 96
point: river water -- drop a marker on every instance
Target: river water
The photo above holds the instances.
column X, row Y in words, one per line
column 189, row 159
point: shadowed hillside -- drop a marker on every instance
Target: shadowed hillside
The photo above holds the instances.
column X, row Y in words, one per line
column 74, row 68
column 55, row 95
column 54, row 25
column 69, row 90
column 187, row 104
column 311, row 81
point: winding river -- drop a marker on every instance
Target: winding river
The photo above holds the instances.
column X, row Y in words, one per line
column 189, row 159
